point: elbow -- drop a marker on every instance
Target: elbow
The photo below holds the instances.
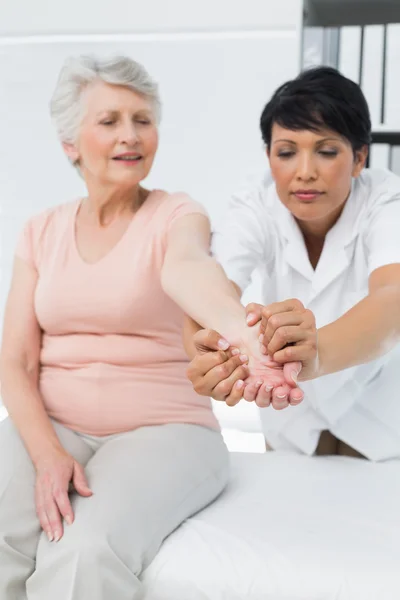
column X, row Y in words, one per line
column 392, row 294
column 11, row 368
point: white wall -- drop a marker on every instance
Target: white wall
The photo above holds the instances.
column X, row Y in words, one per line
column 23, row 17
column 217, row 63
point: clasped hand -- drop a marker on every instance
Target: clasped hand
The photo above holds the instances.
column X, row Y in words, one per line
column 265, row 364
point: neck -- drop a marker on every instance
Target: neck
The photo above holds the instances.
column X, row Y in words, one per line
column 104, row 205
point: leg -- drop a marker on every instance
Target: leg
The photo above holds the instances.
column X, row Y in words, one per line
column 145, row 483
column 19, row 526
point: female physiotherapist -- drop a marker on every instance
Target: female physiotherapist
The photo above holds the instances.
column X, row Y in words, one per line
column 325, row 234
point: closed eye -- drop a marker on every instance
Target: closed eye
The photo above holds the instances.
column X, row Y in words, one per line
column 285, row 154
column 328, row 153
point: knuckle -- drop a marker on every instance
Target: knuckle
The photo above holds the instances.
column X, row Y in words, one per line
column 222, row 356
column 199, row 387
column 222, row 370
column 224, row 388
column 297, row 304
column 190, row 373
column 309, row 315
column 282, row 334
column 274, row 321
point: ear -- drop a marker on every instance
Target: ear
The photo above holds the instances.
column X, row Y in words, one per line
column 71, row 151
column 360, row 160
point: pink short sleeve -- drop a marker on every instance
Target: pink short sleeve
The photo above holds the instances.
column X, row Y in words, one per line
column 30, row 242
column 24, row 249
column 180, row 205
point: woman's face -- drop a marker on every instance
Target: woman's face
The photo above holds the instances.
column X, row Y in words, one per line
column 118, row 136
column 313, row 173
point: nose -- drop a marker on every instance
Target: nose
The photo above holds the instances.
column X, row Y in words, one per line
column 129, row 135
column 306, row 167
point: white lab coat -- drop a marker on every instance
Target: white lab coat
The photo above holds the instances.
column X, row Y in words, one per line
column 361, row 405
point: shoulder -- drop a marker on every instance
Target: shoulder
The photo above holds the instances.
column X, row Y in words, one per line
column 171, row 206
column 51, row 218
column 41, row 232
column 171, row 202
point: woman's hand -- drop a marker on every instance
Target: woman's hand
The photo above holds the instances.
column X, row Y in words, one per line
column 217, row 370
column 269, row 383
column 54, row 475
column 289, row 333
column 221, row 372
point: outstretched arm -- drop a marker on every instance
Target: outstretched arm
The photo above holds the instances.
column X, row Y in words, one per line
column 198, row 284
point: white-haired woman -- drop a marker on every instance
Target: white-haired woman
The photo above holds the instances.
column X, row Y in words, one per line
column 105, row 434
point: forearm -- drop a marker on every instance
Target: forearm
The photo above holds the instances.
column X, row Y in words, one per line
column 190, row 328
column 201, row 288
column 22, row 399
column 367, row 331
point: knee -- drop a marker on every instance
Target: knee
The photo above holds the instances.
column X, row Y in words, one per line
column 87, row 547
column 78, row 541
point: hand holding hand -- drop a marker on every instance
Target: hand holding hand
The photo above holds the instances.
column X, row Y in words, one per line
column 289, row 333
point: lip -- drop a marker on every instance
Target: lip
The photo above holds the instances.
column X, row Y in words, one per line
column 134, row 155
column 307, row 195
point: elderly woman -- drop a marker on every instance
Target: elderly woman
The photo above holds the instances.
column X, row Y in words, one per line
column 324, row 232
column 107, row 448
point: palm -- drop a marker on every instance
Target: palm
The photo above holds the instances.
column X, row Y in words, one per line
column 262, row 368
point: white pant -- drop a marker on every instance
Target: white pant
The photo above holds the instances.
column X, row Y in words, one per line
column 145, row 483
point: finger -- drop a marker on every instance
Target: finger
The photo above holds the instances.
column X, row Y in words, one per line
column 80, row 481
column 298, row 353
column 236, row 394
column 296, row 396
column 251, row 390
column 225, row 388
column 64, row 505
column 206, row 384
column 264, row 396
column 42, row 515
column 291, row 373
column 202, row 364
column 286, row 335
column 53, row 515
column 282, row 307
column 280, row 399
column 279, row 320
column 209, row 339
column 253, row 313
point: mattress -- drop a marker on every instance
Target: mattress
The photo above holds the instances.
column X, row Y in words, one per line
column 288, row 527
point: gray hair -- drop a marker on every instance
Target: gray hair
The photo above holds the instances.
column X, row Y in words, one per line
column 78, row 72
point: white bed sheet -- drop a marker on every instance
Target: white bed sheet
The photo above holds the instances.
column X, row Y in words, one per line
column 288, row 527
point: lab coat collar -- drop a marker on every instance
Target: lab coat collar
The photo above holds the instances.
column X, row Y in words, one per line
column 337, row 252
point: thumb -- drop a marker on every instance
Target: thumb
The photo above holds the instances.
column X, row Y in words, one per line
column 253, row 313
column 209, row 339
column 80, row 482
column 291, row 371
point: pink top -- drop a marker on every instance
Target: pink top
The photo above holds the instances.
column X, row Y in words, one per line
column 112, row 357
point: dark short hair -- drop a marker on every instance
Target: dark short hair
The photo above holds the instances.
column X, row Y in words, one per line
column 318, row 98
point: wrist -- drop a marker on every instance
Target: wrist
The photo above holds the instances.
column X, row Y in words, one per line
column 43, row 451
column 321, row 366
